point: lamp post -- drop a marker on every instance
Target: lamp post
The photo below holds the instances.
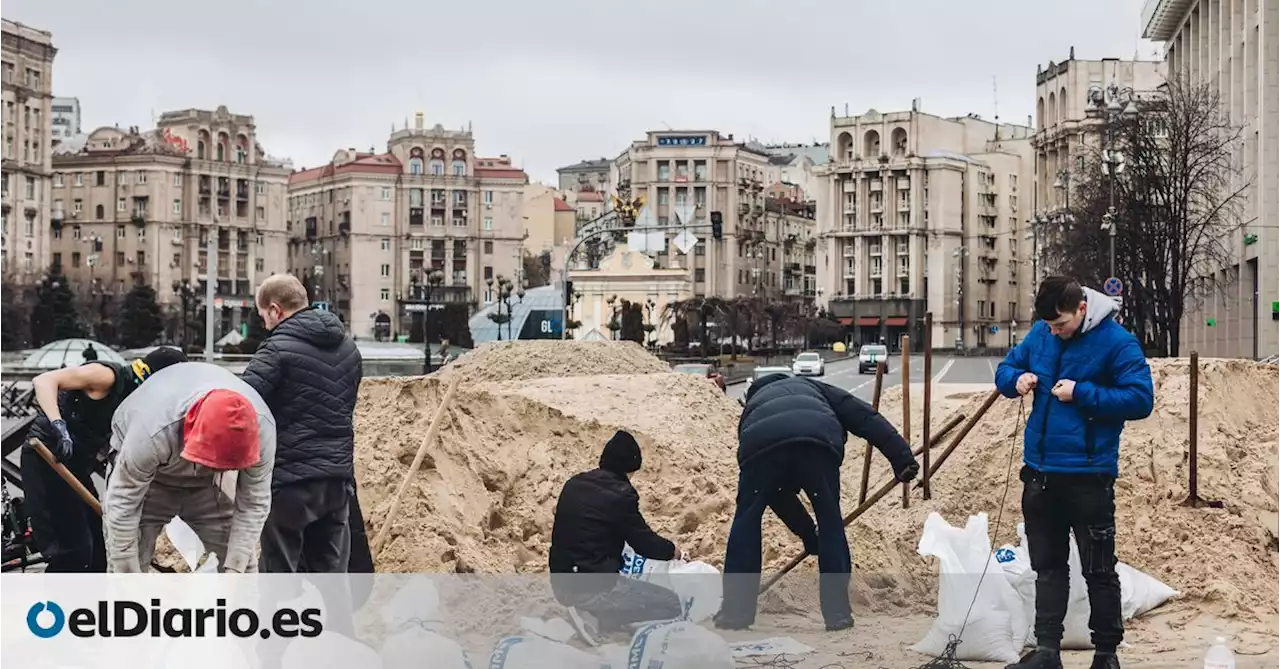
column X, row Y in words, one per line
column 650, row 337
column 1111, row 105
column 432, row 279
column 186, row 295
column 503, row 298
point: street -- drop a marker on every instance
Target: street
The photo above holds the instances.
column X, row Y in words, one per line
column 946, row 369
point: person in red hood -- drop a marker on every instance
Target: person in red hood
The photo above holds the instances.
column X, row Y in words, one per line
column 172, row 442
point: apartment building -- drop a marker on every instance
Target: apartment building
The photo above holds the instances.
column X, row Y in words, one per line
column 1066, row 135
column 1232, row 44
column 926, row 214
column 147, row 207
column 798, row 164
column 66, row 118
column 588, row 175
column 549, row 221
column 698, row 172
column 26, row 79
column 367, row 230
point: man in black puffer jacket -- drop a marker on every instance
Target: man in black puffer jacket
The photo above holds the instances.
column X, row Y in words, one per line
column 308, row 371
column 599, row 511
column 791, row 438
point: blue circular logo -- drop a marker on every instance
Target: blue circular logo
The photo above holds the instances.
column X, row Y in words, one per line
column 42, row 631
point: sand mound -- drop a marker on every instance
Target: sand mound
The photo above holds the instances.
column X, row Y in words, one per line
column 524, row 360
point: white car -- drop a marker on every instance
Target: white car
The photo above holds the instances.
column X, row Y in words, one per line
column 760, row 372
column 869, row 355
column 808, row 364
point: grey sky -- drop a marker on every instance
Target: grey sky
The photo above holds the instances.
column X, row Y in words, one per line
column 550, row 83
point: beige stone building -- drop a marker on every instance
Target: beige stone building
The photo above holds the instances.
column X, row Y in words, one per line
column 1233, row 45
column 367, row 230
column 588, row 175
column 144, row 207
column 702, row 171
column 26, row 56
column 926, row 214
column 1066, row 136
column 549, row 220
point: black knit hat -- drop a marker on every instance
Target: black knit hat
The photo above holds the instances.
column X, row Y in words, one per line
column 621, row 455
column 155, row 361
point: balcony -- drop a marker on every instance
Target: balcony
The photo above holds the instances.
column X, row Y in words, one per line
column 904, row 205
column 810, row 269
column 415, row 216
column 792, row 268
column 876, row 186
column 438, row 204
column 139, row 217
column 874, row 249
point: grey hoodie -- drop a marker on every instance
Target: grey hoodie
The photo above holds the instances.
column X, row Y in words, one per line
column 146, row 444
column 1098, row 308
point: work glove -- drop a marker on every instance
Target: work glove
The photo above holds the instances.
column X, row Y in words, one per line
column 908, row 472
column 62, row 446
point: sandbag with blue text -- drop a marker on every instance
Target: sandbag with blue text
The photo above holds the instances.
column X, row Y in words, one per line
column 678, row 645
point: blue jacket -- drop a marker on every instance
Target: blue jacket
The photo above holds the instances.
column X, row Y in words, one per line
column 1113, row 385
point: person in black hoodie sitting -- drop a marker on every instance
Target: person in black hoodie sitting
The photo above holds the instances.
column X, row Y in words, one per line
column 791, row 438
column 599, row 511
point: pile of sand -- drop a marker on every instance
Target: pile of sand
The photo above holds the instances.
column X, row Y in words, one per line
column 534, row 413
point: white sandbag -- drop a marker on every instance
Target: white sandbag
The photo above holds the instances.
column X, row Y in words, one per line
column 416, row 603
column 1016, row 563
column 534, row 652
column 699, row 586
column 186, row 541
column 996, row 624
column 639, row 566
column 679, row 645
column 414, row 648
column 328, row 651
column 1140, row 592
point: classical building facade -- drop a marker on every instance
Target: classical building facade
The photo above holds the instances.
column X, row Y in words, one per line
column 368, row 230
column 926, row 214
column 588, row 175
column 150, row 207
column 26, row 79
column 1232, row 44
column 66, row 118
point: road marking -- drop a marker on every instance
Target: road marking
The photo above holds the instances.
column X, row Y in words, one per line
column 992, row 368
column 937, row 378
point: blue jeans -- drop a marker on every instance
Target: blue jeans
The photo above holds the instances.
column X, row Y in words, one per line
column 774, row 480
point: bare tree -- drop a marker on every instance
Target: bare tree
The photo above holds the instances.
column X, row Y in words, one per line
column 1177, row 207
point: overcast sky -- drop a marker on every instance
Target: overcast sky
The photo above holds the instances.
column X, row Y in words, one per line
column 551, row 83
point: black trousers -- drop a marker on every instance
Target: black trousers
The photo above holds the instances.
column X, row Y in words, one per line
column 308, row 527
column 774, row 481
column 615, row 600
column 65, row 529
column 1054, row 507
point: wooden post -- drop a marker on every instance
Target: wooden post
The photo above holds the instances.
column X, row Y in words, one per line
column 928, row 398
column 1193, row 464
column 904, row 342
column 964, row 431
column 866, row 454
column 66, row 475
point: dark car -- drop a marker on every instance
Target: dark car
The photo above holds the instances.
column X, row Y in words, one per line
column 702, row 369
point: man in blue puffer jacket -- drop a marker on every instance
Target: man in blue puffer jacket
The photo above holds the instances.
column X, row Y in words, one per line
column 1087, row 376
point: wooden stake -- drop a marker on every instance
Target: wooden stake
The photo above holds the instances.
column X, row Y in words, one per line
column 417, row 462
column 866, row 454
column 1193, row 465
column 964, row 431
column 904, row 342
column 61, row 469
column 928, row 398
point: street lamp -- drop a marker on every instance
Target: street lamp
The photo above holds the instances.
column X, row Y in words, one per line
column 1111, row 105
column 434, row 278
column 504, row 299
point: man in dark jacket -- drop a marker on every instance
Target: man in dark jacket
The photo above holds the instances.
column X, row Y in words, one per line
column 308, row 371
column 76, row 406
column 791, row 438
column 1088, row 375
column 599, row 511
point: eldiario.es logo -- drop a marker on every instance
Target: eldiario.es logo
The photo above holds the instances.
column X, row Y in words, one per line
column 124, row 618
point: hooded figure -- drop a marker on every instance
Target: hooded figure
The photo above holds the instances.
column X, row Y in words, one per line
column 76, row 406
column 172, row 441
column 1086, row 375
column 597, row 514
column 791, row 439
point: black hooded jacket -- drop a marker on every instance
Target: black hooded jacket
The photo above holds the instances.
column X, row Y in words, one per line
column 308, row 372
column 598, row 511
column 783, row 411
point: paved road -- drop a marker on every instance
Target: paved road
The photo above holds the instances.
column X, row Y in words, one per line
column 844, row 374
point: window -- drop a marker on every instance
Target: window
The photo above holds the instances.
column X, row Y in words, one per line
column 100, row 178
column 384, row 294
column 177, row 180
column 120, row 232
column 488, row 272
column 385, row 219
column 121, row 204
column 437, row 168
column 79, row 179
column 260, row 188
column 57, row 259
column 142, row 233
column 75, row 259
column 385, row 270
column 488, row 197
column 123, row 177
column 386, row 244
column 31, row 188
column 119, row 258
column 75, row 233
column 459, row 222
column 1013, row 182
column 259, row 265
column 416, row 244
column 459, row 168
column 437, row 221
column 177, row 207
column 459, row 197
column 415, row 166
column 177, row 233
column 386, row 192
column 142, row 176
column 30, row 227
column 57, row 180
column 488, row 222
column 259, row 239
column 488, row 248
column 77, row 205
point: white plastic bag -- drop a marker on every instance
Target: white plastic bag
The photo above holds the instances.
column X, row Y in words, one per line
column 996, row 625
column 1016, row 563
column 639, row 566
column 411, row 619
column 534, row 652
column 679, row 645
column 699, row 586
column 328, row 651
column 1140, row 592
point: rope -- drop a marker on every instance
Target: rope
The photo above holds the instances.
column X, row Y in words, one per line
column 948, row 658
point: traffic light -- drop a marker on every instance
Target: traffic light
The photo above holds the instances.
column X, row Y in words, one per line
column 717, row 225
column 568, row 293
